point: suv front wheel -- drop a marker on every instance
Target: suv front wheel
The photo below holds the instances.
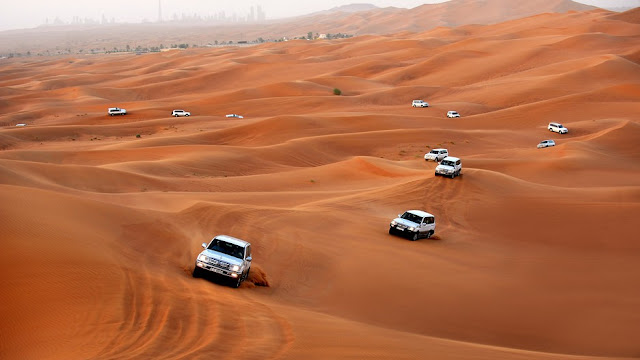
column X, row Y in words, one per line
column 415, row 236
column 197, row 272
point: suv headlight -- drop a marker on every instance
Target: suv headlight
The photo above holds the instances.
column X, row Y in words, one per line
column 393, row 223
column 235, row 268
column 203, row 258
column 412, row 229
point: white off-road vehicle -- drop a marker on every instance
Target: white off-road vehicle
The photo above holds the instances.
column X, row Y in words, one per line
column 226, row 256
column 436, row 155
column 546, row 143
column 453, row 114
column 116, row 111
column 177, row 113
column 419, row 103
column 449, row 166
column 414, row 224
column 557, row 127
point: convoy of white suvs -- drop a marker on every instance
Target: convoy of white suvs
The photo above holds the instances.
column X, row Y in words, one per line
column 112, row 111
column 231, row 258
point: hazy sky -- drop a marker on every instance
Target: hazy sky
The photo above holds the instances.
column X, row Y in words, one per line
column 15, row 14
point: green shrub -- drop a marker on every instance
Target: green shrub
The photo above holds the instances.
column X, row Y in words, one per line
column 337, row 91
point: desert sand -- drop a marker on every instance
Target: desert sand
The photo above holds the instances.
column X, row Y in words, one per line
column 536, row 253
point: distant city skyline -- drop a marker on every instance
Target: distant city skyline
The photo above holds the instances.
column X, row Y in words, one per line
column 33, row 13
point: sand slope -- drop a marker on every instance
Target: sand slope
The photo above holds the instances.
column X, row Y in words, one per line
column 535, row 254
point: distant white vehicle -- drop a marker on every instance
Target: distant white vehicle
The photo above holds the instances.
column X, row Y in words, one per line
column 453, row 114
column 436, row 155
column 177, row 113
column 449, row 166
column 419, row 103
column 116, row 111
column 21, row 124
column 557, row 127
column 546, row 143
column 235, row 116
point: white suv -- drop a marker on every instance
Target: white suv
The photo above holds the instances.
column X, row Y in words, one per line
column 226, row 256
column 452, row 114
column 116, row 111
column 436, row 155
column 419, row 103
column 414, row 224
column 449, row 166
column 177, row 113
column 546, row 143
column 557, row 127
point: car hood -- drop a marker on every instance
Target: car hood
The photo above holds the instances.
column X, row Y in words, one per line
column 222, row 257
column 405, row 222
column 444, row 167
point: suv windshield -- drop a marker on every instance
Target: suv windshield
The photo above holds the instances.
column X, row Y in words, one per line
column 227, row 248
column 412, row 217
column 447, row 163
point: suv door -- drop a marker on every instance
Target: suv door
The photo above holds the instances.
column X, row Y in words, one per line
column 423, row 226
column 430, row 221
column 427, row 226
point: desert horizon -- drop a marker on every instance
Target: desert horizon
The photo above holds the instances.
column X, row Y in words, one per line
column 91, row 38
column 534, row 254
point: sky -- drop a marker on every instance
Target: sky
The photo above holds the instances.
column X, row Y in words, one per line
column 31, row 13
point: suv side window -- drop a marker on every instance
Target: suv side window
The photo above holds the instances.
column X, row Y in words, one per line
column 429, row 220
column 248, row 251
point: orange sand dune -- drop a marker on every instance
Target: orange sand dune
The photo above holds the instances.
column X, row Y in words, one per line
column 535, row 254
